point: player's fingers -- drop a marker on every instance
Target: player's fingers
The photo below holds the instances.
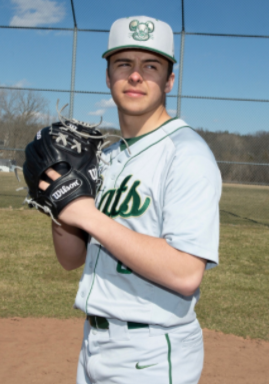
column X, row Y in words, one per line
column 52, row 174
column 43, row 185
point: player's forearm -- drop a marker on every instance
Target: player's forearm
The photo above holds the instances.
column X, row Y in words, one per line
column 69, row 244
column 148, row 256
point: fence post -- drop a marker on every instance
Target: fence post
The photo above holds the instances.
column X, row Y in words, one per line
column 73, row 74
column 180, row 69
column 180, row 74
column 74, row 56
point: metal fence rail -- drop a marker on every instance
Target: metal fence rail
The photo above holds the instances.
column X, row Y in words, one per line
column 234, row 165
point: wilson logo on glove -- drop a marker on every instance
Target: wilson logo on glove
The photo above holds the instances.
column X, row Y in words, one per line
column 38, row 135
column 93, row 173
column 66, row 188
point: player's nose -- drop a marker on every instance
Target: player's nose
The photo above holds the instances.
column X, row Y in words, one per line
column 135, row 76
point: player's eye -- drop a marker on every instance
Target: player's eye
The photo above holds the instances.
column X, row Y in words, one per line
column 151, row 66
column 124, row 64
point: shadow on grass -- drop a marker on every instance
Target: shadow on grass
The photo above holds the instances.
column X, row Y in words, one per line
column 244, row 218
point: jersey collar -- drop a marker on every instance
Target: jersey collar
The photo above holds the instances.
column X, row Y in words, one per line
column 152, row 138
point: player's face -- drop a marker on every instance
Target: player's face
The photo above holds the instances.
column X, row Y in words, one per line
column 138, row 81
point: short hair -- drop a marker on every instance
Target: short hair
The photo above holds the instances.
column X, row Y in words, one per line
column 170, row 69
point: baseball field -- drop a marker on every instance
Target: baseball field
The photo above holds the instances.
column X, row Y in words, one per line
column 36, row 294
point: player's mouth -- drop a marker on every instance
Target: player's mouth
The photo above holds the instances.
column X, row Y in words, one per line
column 134, row 93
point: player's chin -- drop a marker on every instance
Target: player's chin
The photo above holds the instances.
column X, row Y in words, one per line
column 135, row 108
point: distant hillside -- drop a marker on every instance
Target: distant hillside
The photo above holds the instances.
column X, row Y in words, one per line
column 240, row 148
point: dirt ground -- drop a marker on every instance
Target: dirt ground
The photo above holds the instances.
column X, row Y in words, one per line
column 45, row 351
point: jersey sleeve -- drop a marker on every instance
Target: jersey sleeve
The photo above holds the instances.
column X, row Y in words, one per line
column 191, row 206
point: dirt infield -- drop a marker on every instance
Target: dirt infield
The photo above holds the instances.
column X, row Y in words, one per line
column 45, row 351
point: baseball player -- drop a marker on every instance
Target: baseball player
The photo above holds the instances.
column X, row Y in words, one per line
column 152, row 230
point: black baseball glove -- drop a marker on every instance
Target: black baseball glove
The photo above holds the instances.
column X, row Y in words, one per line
column 73, row 149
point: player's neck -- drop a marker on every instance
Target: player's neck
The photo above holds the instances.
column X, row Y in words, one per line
column 137, row 125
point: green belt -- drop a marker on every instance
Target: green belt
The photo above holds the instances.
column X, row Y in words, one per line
column 102, row 323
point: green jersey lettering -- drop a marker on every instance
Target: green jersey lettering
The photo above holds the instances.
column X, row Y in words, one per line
column 131, row 205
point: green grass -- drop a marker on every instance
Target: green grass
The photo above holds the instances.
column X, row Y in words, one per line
column 9, row 197
column 32, row 281
column 234, row 296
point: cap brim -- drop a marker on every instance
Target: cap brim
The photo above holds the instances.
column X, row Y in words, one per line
column 123, row 47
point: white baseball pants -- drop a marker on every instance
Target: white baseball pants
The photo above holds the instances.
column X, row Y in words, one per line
column 150, row 355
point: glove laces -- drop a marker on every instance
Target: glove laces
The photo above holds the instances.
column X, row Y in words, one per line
column 28, row 200
column 73, row 129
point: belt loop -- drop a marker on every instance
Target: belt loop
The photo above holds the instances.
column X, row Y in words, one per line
column 118, row 329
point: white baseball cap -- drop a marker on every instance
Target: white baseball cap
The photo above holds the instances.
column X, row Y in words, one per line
column 141, row 32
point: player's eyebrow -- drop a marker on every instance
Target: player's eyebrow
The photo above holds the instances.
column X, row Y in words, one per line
column 125, row 60
column 152, row 61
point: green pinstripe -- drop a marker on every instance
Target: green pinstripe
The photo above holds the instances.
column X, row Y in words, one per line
column 169, row 358
column 93, row 278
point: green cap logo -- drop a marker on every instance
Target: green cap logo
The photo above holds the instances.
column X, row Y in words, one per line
column 141, row 31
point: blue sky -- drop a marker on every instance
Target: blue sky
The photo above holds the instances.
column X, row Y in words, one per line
column 213, row 66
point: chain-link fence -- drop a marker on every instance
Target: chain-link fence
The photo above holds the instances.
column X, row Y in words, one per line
column 52, row 50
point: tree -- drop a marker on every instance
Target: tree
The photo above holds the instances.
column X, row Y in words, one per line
column 22, row 114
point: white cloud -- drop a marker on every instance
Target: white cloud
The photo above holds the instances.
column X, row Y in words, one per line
column 21, row 83
column 43, row 32
column 99, row 112
column 105, row 103
column 63, row 33
column 172, row 112
column 108, row 124
column 41, row 116
column 31, row 13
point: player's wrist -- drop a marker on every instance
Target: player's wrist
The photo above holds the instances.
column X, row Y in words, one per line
column 89, row 219
column 78, row 213
column 96, row 223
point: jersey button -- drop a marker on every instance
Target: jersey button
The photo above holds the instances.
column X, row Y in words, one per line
column 82, row 294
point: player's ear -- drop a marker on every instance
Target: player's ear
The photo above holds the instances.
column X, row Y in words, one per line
column 169, row 83
column 107, row 79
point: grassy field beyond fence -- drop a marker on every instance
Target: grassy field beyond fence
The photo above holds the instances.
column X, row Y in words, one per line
column 234, row 296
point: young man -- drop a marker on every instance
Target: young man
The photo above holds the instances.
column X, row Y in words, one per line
column 155, row 230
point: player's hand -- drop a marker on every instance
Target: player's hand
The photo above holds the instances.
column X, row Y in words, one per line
column 76, row 210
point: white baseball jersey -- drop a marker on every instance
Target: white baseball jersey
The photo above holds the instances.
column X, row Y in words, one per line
column 168, row 187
